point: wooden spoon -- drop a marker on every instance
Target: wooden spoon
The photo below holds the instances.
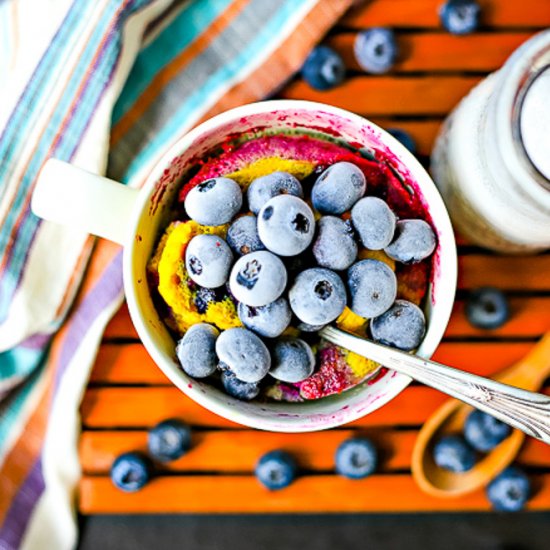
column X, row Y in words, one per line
column 529, row 373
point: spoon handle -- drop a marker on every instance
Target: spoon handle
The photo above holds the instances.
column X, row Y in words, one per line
column 522, row 409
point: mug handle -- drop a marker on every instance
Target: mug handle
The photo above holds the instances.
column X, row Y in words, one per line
column 74, row 197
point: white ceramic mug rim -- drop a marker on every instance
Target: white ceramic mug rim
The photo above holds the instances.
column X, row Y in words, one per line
column 399, row 382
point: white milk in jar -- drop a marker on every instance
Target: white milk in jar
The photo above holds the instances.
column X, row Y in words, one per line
column 491, row 160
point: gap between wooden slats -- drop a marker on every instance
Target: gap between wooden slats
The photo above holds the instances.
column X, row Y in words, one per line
column 320, row 493
column 529, row 318
column 441, row 52
column 389, row 95
column 424, row 14
column 237, row 451
column 112, row 407
column 131, row 364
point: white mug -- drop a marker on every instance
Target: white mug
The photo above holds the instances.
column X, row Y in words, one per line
column 134, row 219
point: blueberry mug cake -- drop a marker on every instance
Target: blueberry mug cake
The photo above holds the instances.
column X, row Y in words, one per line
column 276, row 235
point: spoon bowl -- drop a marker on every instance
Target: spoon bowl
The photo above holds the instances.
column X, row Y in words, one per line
column 529, row 373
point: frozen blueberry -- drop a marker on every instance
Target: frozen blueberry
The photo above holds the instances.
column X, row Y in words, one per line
column 487, row 308
column 293, row 360
column 286, row 225
column 208, row 260
column 454, row 454
column 214, row 201
column 404, row 138
column 269, row 321
column 324, row 68
column 374, row 222
column 356, row 458
column 402, row 326
column 169, row 440
column 276, row 470
column 266, row 187
column 306, row 327
column 297, row 264
column 203, row 298
column 334, row 246
column 376, row 50
column 196, row 351
column 510, row 490
column 258, row 279
column 245, row 391
column 460, row 16
column 373, row 288
column 131, row 471
column 413, row 241
column 242, row 236
column 246, row 356
column 318, row 296
column 338, row 188
column 484, row 432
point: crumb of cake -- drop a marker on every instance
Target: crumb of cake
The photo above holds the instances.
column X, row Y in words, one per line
column 380, row 255
column 264, row 166
column 412, row 282
column 361, row 366
column 351, row 322
column 174, row 285
column 334, row 375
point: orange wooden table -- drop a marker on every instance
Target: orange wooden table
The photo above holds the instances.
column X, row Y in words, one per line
column 128, row 394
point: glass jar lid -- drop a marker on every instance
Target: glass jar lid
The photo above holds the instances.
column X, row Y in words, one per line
column 534, row 122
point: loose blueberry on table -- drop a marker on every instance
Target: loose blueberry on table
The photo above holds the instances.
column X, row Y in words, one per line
column 169, row 440
column 487, row 308
column 272, row 248
column 376, row 50
column 323, row 69
column 404, row 138
column 131, row 471
column 276, row 470
column 510, row 490
column 460, row 16
column 356, row 458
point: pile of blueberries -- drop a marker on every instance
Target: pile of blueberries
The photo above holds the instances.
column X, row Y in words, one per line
column 278, row 261
column 510, row 490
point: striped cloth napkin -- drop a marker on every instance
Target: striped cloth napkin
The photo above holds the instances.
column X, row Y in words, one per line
column 107, row 85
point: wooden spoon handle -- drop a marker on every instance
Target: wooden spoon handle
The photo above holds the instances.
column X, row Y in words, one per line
column 522, row 409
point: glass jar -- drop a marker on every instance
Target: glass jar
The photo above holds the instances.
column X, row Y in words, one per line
column 491, row 160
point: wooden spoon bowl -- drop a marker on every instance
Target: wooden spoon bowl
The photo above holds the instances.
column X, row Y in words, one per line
column 529, row 374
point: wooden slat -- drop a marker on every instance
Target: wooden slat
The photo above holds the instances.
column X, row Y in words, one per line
column 115, row 419
column 120, row 325
column 441, row 51
column 238, row 451
column 131, row 364
column 145, row 407
column 423, row 132
column 243, row 494
column 424, row 13
column 528, row 317
column 506, row 272
column 126, row 364
column 389, row 96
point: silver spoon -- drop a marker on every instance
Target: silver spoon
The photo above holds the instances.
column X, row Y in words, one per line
column 525, row 410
